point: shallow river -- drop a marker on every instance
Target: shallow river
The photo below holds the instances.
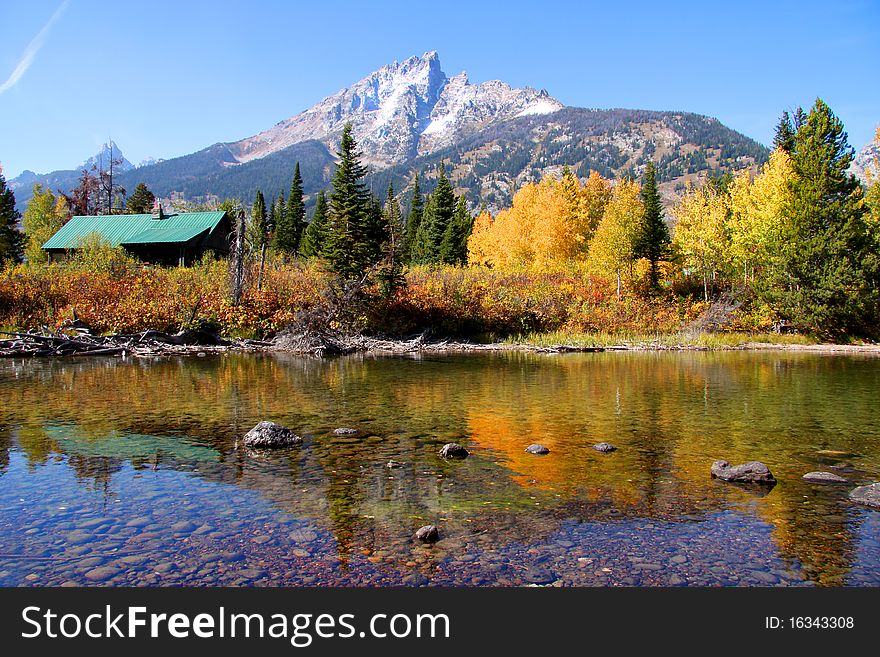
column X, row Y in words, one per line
column 125, row 473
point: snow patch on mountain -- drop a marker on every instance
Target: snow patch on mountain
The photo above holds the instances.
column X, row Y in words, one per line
column 541, row 107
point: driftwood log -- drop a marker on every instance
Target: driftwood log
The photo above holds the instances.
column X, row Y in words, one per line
column 146, row 343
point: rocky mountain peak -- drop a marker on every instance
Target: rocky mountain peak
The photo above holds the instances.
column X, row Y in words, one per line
column 401, row 110
column 101, row 159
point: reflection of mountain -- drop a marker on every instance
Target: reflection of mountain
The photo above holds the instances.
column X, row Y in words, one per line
column 669, row 415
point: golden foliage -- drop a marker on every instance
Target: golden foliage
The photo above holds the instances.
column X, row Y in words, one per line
column 548, row 227
column 702, row 232
column 757, row 215
column 612, row 250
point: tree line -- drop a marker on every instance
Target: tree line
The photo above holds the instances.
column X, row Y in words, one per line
column 799, row 237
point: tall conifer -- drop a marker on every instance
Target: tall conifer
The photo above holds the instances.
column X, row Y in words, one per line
column 828, row 282
column 350, row 248
column 315, row 234
column 11, row 239
column 653, row 241
column 413, row 220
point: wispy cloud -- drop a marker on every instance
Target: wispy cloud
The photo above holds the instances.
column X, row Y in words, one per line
column 32, row 49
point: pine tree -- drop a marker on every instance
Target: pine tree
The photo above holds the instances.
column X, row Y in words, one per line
column 315, row 234
column 653, row 241
column 350, row 249
column 413, row 221
column 437, row 215
column 785, row 134
column 828, row 282
column 11, row 239
column 289, row 240
column 453, row 248
column 141, row 200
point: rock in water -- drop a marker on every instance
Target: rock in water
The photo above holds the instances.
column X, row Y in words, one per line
column 453, row 451
column 269, row 434
column 753, row 472
column 869, row 495
column 824, row 478
column 428, row 534
column 345, row 431
column 535, row 448
column 604, row 447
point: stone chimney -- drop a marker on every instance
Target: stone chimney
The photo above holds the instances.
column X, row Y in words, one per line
column 157, row 210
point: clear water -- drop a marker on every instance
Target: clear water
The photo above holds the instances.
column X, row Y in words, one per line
column 125, row 473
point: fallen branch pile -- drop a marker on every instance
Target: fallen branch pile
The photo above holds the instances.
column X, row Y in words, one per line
column 147, row 343
column 326, row 344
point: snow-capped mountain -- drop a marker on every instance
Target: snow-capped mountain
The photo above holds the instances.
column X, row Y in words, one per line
column 401, row 111
column 101, row 160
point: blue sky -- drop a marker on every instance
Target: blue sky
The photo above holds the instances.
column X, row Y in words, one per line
column 166, row 78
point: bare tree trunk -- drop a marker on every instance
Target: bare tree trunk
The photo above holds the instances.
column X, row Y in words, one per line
column 618, row 285
column 238, row 259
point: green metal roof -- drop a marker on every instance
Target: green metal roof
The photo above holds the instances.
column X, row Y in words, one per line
column 134, row 228
column 152, row 235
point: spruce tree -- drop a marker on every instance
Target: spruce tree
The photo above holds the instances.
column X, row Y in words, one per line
column 295, row 218
column 413, row 221
column 653, row 241
column 315, row 234
column 11, row 239
column 785, row 134
column 828, row 282
column 453, row 248
column 141, row 200
column 350, row 249
column 437, row 216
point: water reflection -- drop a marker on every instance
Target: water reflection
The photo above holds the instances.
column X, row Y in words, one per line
column 508, row 517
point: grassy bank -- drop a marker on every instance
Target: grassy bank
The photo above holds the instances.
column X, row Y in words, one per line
column 680, row 339
column 475, row 304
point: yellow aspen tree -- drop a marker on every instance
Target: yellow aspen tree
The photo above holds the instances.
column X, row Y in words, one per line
column 537, row 233
column 595, row 195
column 612, row 250
column 40, row 221
column 702, row 232
column 758, row 215
column 480, row 243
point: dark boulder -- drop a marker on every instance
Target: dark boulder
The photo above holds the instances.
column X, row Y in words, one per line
column 605, row 448
column 453, row 451
column 427, row 534
column 824, row 478
column 869, row 495
column 535, row 448
column 269, row 434
column 753, row 472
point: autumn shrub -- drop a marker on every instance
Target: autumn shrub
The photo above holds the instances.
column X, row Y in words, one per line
column 471, row 302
